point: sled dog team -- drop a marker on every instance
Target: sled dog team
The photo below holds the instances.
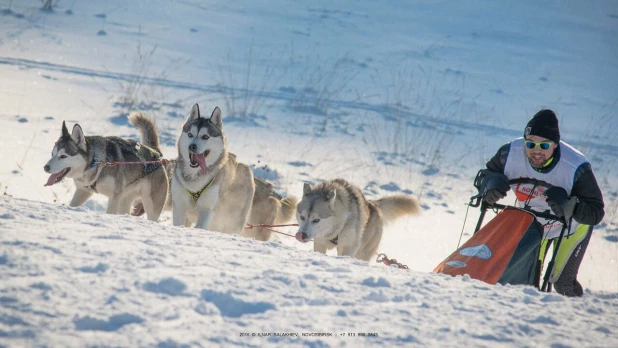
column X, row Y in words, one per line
column 207, row 187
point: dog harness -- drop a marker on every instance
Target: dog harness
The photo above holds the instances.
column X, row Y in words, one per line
column 283, row 200
column 142, row 152
column 196, row 195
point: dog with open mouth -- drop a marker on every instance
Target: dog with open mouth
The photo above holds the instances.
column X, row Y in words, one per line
column 268, row 207
column 85, row 159
column 209, row 186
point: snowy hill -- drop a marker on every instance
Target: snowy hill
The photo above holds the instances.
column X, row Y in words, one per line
column 72, row 277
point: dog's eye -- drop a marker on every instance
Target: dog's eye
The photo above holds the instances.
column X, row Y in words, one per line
column 205, row 137
column 302, row 218
column 190, row 135
column 315, row 221
column 63, row 156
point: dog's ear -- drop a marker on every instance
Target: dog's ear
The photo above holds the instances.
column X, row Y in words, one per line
column 330, row 195
column 65, row 130
column 216, row 117
column 195, row 113
column 330, row 198
column 306, row 189
column 78, row 137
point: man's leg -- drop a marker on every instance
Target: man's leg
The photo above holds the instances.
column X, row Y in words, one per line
column 568, row 260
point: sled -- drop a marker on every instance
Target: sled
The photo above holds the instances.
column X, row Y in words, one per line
column 506, row 250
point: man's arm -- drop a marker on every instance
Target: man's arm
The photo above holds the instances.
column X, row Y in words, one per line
column 590, row 209
column 491, row 182
column 497, row 163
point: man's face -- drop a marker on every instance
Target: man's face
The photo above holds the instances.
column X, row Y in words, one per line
column 537, row 156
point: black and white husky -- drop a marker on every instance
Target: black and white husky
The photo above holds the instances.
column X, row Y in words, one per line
column 213, row 190
column 86, row 159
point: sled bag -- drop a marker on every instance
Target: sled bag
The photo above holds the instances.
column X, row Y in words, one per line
column 506, row 250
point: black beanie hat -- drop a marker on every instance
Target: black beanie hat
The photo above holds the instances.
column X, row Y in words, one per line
column 544, row 124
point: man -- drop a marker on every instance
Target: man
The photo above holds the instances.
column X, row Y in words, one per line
column 574, row 195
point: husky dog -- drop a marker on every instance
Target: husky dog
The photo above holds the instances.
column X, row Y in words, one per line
column 336, row 214
column 209, row 186
column 83, row 159
column 267, row 208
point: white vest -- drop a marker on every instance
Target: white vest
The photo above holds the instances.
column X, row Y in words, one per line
column 562, row 175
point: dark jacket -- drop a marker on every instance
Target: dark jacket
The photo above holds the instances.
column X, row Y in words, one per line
column 590, row 209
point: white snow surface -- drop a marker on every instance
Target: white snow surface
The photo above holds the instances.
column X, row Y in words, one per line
column 74, row 277
column 396, row 97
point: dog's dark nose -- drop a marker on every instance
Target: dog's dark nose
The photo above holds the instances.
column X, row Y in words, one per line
column 46, row 168
column 304, row 235
column 193, row 147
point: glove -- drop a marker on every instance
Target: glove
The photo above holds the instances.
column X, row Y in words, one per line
column 494, row 186
column 560, row 203
column 491, row 196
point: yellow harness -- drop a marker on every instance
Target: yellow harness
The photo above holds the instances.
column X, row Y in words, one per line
column 196, row 195
column 287, row 202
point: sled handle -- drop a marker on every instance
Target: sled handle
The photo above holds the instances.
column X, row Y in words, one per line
column 550, row 266
column 477, row 200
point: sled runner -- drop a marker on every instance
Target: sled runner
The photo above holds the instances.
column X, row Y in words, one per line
column 506, row 250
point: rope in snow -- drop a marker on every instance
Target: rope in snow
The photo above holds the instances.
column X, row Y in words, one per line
column 385, row 260
column 268, row 227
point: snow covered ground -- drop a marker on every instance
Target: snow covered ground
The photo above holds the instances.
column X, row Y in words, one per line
column 407, row 98
column 73, row 277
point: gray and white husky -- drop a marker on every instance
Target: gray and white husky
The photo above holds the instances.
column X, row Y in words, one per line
column 335, row 213
column 83, row 158
column 212, row 189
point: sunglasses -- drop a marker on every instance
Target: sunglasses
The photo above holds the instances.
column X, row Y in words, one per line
column 545, row 145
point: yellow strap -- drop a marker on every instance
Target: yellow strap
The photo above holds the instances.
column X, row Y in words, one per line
column 196, row 195
column 287, row 202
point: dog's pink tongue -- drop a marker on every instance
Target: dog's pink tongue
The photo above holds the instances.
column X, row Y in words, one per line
column 199, row 158
column 299, row 237
column 52, row 179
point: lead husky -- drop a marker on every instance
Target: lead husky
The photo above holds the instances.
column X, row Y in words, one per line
column 83, row 159
column 336, row 214
column 267, row 208
column 209, row 186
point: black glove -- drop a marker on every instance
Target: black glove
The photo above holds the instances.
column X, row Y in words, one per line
column 560, row 203
column 491, row 196
column 494, row 186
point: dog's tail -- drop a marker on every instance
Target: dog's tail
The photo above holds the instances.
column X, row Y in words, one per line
column 396, row 206
column 288, row 208
column 148, row 130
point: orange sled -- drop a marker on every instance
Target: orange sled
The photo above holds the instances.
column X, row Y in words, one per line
column 506, row 250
